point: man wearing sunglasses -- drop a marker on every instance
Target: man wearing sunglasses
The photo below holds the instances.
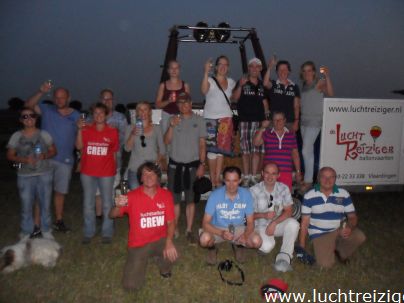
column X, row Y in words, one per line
column 272, row 213
column 59, row 120
column 186, row 135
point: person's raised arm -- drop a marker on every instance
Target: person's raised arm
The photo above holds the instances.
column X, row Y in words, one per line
column 205, row 83
column 327, row 88
column 33, row 101
column 237, row 90
column 267, row 77
column 168, row 136
column 79, row 138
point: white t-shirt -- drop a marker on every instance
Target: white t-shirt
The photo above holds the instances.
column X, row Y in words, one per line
column 216, row 106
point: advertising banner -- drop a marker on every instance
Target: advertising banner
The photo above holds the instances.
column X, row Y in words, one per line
column 363, row 140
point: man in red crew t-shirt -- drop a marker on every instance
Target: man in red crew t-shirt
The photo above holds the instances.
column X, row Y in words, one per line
column 150, row 209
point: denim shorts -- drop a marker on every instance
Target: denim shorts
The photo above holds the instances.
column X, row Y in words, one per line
column 62, row 173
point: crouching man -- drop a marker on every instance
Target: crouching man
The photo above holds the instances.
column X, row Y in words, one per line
column 328, row 216
column 227, row 209
column 272, row 213
column 151, row 227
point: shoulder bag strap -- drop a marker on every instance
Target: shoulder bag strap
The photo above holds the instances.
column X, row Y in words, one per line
column 227, row 99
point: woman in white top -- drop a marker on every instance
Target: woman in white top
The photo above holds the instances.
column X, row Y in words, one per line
column 218, row 115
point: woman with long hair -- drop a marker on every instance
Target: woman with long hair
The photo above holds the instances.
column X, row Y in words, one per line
column 218, row 115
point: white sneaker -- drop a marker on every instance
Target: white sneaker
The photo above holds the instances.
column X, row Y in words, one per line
column 282, row 266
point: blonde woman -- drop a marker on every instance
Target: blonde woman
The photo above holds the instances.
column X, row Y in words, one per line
column 313, row 91
column 144, row 144
column 218, row 115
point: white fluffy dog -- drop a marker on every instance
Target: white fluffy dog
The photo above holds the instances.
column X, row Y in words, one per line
column 29, row 251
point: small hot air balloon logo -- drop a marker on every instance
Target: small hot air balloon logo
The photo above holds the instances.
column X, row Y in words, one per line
column 375, row 132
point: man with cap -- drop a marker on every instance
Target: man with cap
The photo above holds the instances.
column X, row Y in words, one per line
column 186, row 135
column 329, row 217
column 252, row 107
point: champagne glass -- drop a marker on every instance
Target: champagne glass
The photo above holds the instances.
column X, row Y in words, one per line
column 49, row 82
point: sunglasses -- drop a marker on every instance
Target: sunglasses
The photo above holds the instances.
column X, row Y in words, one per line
column 271, row 198
column 142, row 140
column 27, row 116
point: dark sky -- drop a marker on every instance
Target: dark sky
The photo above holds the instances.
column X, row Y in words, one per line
column 88, row 45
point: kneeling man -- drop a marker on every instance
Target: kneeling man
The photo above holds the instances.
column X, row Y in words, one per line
column 150, row 209
column 272, row 213
column 324, row 211
column 227, row 210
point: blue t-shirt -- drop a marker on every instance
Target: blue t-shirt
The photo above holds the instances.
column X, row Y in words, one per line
column 63, row 130
column 225, row 211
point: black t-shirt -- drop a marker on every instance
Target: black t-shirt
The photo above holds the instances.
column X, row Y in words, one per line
column 281, row 99
column 250, row 106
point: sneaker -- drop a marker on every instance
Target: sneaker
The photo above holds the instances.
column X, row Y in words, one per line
column 60, row 226
column 282, row 266
column 37, row 233
column 211, row 258
column 166, row 275
column 239, row 253
column 190, row 238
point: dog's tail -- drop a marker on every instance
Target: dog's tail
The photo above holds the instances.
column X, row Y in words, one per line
column 7, row 259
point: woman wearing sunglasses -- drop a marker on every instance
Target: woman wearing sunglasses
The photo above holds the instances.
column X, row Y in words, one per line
column 99, row 144
column 144, row 143
column 30, row 149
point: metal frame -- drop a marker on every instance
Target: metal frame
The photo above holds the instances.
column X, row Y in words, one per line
column 186, row 36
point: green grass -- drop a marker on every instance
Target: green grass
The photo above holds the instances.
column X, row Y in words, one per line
column 93, row 273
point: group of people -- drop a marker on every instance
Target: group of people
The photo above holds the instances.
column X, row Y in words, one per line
column 270, row 113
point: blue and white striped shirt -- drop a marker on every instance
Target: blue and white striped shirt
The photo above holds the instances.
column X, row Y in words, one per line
column 326, row 213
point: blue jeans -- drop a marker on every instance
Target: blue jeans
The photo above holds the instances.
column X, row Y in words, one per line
column 309, row 136
column 31, row 187
column 132, row 180
column 90, row 185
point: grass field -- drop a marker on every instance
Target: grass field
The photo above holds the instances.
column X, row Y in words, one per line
column 92, row 273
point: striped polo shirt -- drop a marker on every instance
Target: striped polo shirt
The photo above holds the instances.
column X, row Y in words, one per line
column 279, row 148
column 325, row 213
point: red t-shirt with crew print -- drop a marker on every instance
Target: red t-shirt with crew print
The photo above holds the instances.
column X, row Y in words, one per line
column 99, row 147
column 148, row 216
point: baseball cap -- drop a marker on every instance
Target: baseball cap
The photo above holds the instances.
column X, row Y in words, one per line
column 255, row 60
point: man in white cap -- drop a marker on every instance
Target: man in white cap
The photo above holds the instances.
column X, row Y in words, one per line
column 252, row 107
